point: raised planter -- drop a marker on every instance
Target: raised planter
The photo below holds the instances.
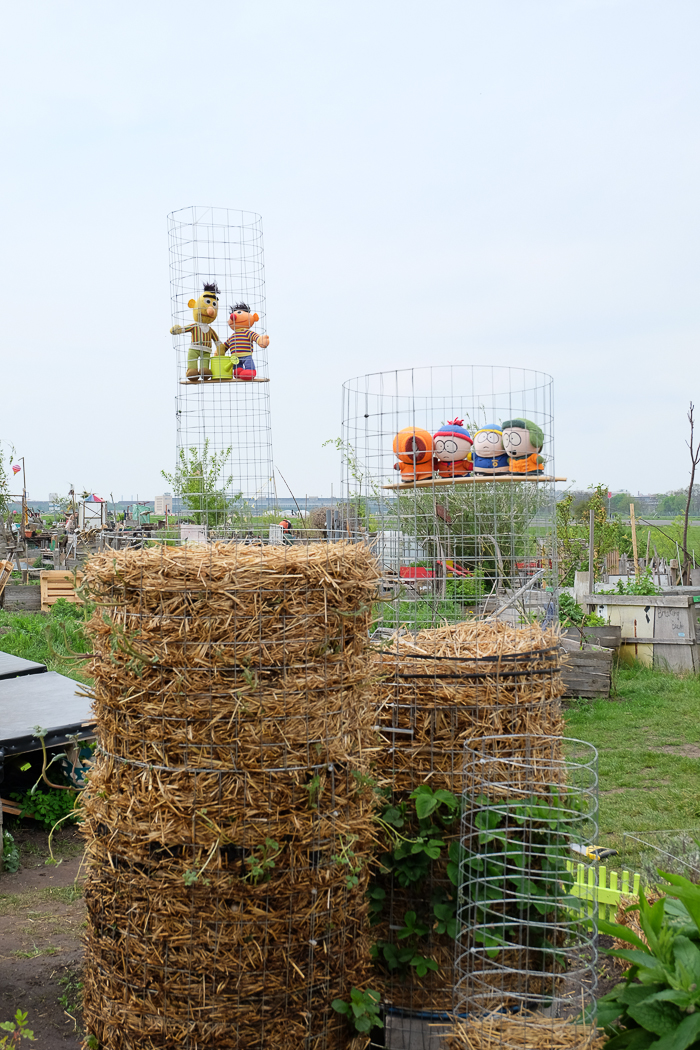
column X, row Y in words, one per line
column 586, row 672
column 609, row 636
column 20, row 597
column 659, row 630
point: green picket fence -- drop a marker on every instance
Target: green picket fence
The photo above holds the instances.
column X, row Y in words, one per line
column 593, row 883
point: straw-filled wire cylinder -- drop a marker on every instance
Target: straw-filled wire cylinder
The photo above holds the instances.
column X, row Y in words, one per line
column 524, row 945
column 435, row 691
column 228, row 817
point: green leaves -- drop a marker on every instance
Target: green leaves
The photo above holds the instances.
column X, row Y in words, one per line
column 362, row 1011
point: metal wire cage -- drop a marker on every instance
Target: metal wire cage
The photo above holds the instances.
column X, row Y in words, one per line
column 459, row 526
column 524, row 945
column 224, row 441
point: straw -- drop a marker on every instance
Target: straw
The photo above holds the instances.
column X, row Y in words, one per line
column 228, row 818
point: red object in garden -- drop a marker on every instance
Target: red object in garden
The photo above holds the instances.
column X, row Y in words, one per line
column 415, row 572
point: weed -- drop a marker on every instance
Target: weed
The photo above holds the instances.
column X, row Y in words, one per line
column 10, row 853
column 17, row 1030
column 72, row 998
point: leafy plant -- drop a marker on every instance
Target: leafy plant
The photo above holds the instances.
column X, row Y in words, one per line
column 642, row 584
column 17, row 1030
column 415, row 839
column 47, row 805
column 261, row 861
column 362, row 1012
column 10, row 852
column 521, row 851
column 572, row 615
column 199, row 480
column 347, row 858
column 657, row 1003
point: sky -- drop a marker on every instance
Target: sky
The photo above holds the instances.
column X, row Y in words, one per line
column 512, row 182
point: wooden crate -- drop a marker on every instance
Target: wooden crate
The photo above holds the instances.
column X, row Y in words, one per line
column 21, row 597
column 586, row 672
column 58, row 583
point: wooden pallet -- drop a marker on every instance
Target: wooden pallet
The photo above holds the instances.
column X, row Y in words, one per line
column 6, row 569
column 58, row 583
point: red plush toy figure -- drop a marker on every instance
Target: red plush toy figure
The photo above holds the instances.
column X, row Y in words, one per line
column 453, row 449
column 242, row 341
column 414, row 451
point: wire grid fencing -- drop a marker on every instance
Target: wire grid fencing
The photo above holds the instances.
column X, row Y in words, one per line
column 436, row 690
column 524, row 943
column 459, row 527
column 223, row 427
column 228, row 815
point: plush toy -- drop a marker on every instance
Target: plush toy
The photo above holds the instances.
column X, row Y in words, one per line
column 453, row 445
column 414, row 451
column 203, row 310
column 241, row 343
column 488, row 454
column 522, row 440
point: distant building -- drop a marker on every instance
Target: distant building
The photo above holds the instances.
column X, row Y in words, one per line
column 163, row 504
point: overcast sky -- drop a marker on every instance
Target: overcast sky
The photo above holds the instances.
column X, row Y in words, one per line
column 511, row 182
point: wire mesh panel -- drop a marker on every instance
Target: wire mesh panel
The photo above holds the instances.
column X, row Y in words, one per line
column 435, row 691
column 228, row 815
column 450, row 470
column 224, row 442
column 524, row 945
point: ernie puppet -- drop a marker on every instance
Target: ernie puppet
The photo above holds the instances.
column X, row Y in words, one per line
column 241, row 342
column 204, row 310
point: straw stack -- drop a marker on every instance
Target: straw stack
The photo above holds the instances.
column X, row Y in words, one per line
column 524, row 1032
column 435, row 691
column 228, row 822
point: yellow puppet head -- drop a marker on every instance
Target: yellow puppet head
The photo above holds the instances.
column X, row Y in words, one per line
column 206, row 307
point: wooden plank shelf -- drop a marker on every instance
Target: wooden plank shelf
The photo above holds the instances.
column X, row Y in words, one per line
column 480, row 479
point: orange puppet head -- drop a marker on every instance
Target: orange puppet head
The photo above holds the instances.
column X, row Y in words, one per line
column 413, row 445
column 241, row 317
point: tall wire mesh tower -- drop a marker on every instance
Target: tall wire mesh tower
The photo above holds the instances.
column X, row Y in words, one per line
column 222, row 419
column 460, row 528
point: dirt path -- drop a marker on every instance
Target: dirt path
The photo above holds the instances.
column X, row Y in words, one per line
column 41, row 924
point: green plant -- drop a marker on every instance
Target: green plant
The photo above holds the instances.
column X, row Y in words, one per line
column 261, row 861
column 10, row 852
column 525, row 862
column 415, row 841
column 346, row 857
column 17, row 1030
column 362, row 1011
column 47, row 805
column 643, row 584
column 199, row 480
column 657, row 1003
column 572, row 615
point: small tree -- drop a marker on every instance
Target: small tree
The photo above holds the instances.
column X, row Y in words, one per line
column 198, row 482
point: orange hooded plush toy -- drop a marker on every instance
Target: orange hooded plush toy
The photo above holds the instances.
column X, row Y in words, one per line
column 414, row 451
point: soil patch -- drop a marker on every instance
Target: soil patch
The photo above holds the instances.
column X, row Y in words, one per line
column 686, row 750
column 42, row 917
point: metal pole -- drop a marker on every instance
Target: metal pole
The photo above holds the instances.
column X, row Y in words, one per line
column 591, row 552
column 634, row 540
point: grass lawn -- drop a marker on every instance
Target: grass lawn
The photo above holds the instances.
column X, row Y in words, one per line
column 54, row 639
column 648, row 739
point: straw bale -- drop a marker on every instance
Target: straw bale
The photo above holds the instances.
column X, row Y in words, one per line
column 526, row 1031
column 228, row 817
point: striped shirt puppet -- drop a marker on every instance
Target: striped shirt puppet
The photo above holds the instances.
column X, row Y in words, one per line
column 240, row 343
column 203, row 335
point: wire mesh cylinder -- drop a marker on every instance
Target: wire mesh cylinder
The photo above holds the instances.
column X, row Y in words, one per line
column 523, row 942
column 223, row 425
column 228, row 815
column 455, row 536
